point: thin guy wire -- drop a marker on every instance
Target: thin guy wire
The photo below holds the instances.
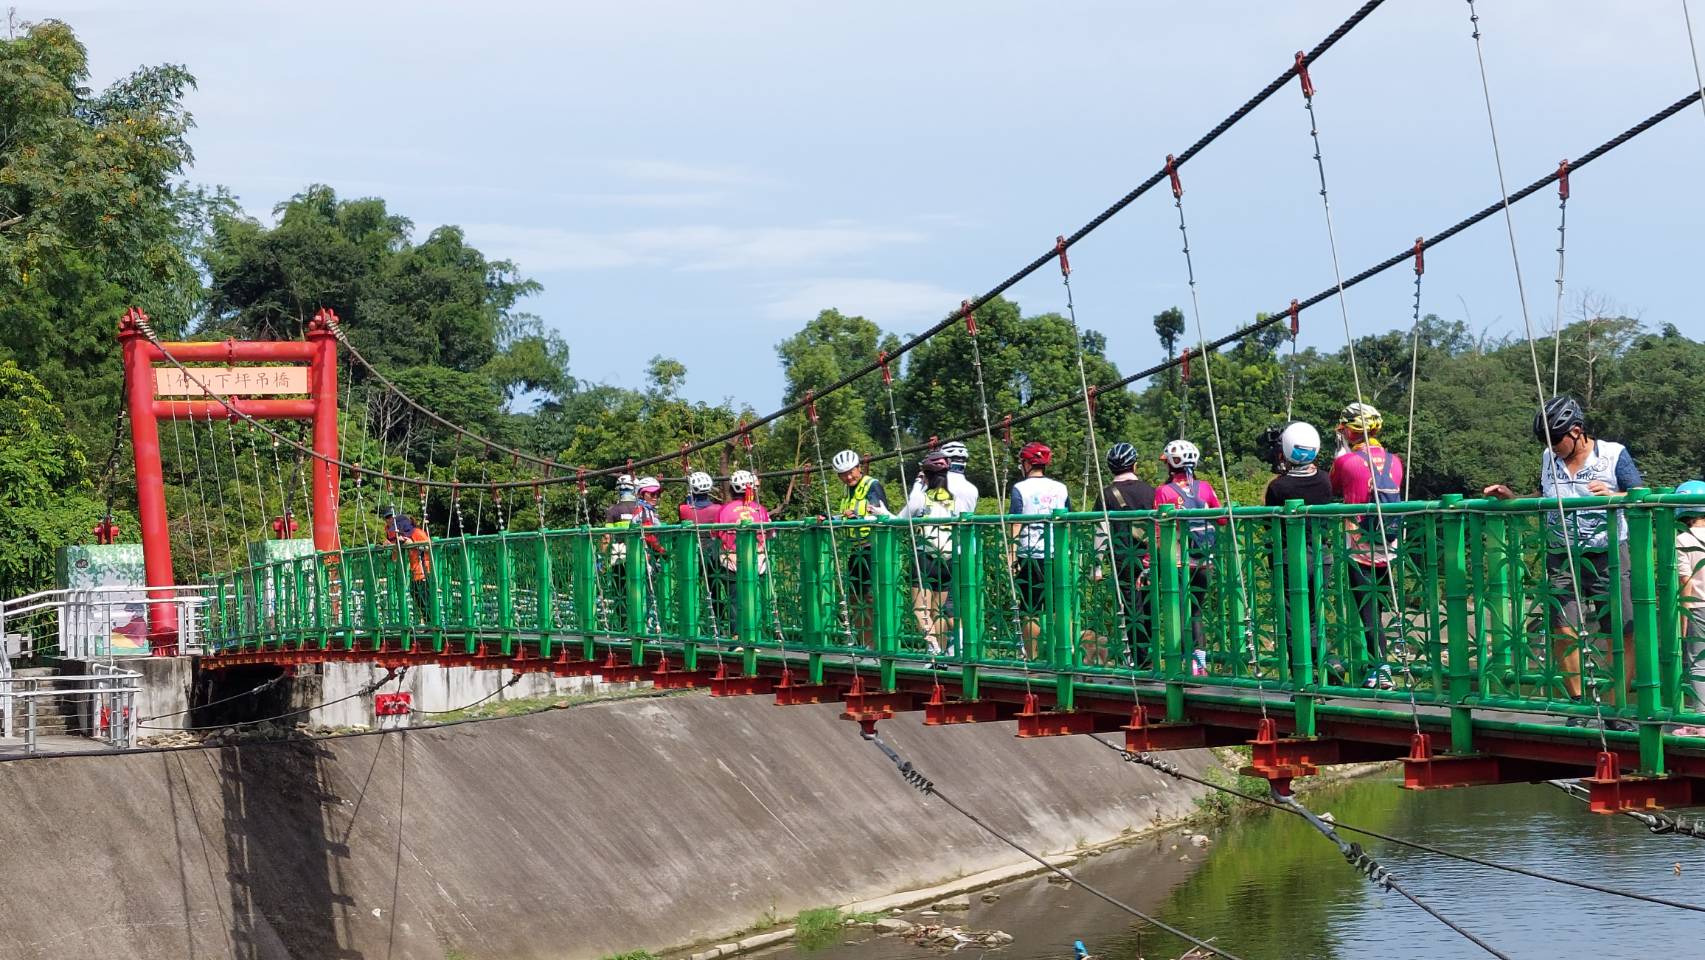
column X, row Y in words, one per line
column 930, row 642
column 1557, row 316
column 1414, row 379
column 1356, row 377
column 1001, row 505
column 1693, row 51
column 1538, row 384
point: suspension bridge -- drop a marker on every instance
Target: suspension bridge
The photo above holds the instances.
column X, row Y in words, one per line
column 1265, row 633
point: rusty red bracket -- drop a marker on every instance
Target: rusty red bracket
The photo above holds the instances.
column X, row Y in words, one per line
column 970, row 318
column 1608, row 791
column 882, row 361
column 940, row 711
column 1034, row 722
column 790, row 694
column 1296, row 323
column 860, row 701
column 1144, row 737
column 1302, row 74
column 580, row 480
column 811, row 405
column 1172, row 174
column 1281, row 760
column 1424, row 770
column 1006, row 429
column 1060, row 248
column 1184, row 364
column 723, row 685
column 665, row 678
column 1090, row 397
column 1420, row 261
column 1563, row 179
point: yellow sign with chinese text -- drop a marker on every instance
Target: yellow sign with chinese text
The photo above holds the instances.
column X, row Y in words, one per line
column 230, row 381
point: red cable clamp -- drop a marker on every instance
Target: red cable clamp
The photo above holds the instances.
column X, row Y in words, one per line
column 1184, row 362
column 811, row 405
column 1296, row 324
column 685, row 463
column 496, row 494
column 970, row 318
column 630, row 467
column 1006, row 429
column 1089, row 397
column 422, row 491
column 1563, row 179
column 1172, row 172
column 882, row 361
column 1302, row 74
column 580, row 479
column 1060, row 248
column 1420, row 261
column 538, row 493
column 933, row 442
column 745, row 436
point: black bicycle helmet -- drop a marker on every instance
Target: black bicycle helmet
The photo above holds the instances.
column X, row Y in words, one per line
column 1121, row 456
column 1559, row 415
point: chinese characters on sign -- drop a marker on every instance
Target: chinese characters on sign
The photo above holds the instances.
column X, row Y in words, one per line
column 230, row 381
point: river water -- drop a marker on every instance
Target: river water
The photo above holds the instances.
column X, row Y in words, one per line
column 1269, row 887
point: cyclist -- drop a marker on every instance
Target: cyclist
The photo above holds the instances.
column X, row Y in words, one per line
column 932, row 500
column 1365, row 472
column 1128, row 541
column 401, row 529
column 1184, row 491
column 1032, row 543
column 701, row 507
column 864, row 497
column 1578, row 544
column 650, row 490
column 1296, row 458
column 620, row 514
column 744, row 508
column 1690, row 565
column 964, row 491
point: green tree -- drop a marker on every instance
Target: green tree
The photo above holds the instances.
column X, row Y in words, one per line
column 46, row 500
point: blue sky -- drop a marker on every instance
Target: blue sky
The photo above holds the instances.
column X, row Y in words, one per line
column 699, row 179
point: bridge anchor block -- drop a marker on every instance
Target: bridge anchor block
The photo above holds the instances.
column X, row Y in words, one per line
column 940, row 711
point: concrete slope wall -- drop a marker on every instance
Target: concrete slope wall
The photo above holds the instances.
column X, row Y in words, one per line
column 565, row 835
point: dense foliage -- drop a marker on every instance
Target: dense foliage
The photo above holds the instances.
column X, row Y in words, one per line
column 95, row 214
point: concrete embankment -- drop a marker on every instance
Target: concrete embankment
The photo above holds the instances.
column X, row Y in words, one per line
column 565, row 835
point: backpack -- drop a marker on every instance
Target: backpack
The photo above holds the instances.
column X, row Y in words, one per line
column 1202, row 532
column 1386, row 532
column 938, row 537
column 1128, row 538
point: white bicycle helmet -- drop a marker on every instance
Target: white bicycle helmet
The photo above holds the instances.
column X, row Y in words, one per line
column 1299, row 444
column 626, row 483
column 700, row 482
column 955, row 452
column 742, row 480
column 846, row 460
column 650, row 485
column 1181, row 455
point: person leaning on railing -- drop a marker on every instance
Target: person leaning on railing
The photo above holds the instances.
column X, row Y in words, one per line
column 1690, row 565
column 1578, row 542
column 411, row 541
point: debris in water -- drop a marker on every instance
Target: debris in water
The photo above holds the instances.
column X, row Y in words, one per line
column 949, row 938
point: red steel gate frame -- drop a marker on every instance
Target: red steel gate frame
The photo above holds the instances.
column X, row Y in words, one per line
column 318, row 351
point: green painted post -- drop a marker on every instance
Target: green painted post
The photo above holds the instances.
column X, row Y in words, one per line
column 1643, row 581
column 506, row 593
column 470, row 595
column 1165, row 564
column 545, row 590
column 685, row 554
column 1671, row 663
column 370, row 598
column 748, row 585
column 1460, row 683
column 1060, row 623
column 1299, row 615
column 817, row 596
column 1499, row 620
column 968, row 610
column 322, row 599
column 585, row 560
column 887, row 586
column 636, row 588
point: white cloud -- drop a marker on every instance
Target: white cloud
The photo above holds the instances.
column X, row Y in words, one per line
column 688, row 247
column 890, row 303
column 668, row 171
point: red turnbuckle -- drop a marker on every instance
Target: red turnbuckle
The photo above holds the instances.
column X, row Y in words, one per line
column 811, row 406
column 1089, row 397
column 538, row 493
column 1302, row 74
column 1563, row 179
column 1172, row 172
column 744, row 437
column 580, row 479
column 1296, row 324
column 1060, row 248
column 1420, row 261
column 497, row 494
column 1184, row 362
column 1006, row 429
column 970, row 318
column 882, row 361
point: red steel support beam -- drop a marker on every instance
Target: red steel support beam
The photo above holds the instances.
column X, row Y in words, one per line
column 231, row 351
column 150, row 484
column 322, row 388
column 240, row 407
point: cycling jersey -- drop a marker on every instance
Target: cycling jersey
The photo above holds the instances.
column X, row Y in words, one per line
column 1037, row 495
column 1609, row 462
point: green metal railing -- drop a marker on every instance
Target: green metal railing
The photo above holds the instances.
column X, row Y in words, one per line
column 1467, row 612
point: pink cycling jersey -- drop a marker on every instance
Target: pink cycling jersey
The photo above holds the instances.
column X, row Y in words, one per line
column 1173, row 492
column 1353, row 482
column 741, row 511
